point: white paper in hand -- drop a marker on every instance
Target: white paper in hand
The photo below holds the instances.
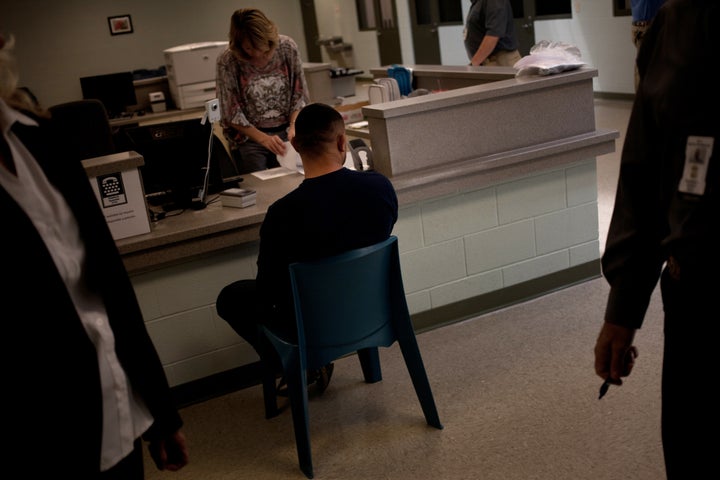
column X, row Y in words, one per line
column 291, row 160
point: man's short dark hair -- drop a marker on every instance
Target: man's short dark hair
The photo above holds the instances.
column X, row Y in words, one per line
column 315, row 125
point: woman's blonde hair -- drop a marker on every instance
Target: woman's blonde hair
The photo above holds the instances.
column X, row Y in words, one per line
column 15, row 97
column 253, row 25
column 8, row 69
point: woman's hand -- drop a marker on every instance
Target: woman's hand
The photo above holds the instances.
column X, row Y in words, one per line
column 274, row 143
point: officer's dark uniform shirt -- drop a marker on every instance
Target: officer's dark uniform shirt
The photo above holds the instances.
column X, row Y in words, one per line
column 666, row 205
column 490, row 17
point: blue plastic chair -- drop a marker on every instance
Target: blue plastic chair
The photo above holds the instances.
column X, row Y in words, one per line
column 403, row 76
column 352, row 302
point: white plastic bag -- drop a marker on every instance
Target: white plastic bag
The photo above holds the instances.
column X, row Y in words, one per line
column 547, row 58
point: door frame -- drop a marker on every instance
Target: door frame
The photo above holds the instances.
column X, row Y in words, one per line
column 310, row 30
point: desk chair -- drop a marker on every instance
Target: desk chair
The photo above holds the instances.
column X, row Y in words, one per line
column 85, row 126
column 352, row 302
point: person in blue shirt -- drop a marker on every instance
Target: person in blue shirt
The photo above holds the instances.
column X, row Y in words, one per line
column 643, row 12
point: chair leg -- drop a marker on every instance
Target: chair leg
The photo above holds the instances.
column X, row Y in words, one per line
column 416, row 368
column 297, row 391
column 269, row 391
column 370, row 364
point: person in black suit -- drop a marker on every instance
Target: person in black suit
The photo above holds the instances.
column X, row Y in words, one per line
column 83, row 384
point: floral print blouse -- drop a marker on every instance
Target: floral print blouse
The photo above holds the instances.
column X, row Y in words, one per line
column 262, row 97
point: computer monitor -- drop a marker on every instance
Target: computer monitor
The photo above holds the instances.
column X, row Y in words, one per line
column 175, row 159
column 115, row 90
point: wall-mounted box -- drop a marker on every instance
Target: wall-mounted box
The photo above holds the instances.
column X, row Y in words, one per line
column 117, row 184
column 191, row 71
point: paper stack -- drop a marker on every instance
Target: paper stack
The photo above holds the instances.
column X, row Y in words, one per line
column 238, row 197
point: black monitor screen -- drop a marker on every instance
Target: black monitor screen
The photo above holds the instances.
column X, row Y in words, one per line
column 175, row 158
column 115, row 90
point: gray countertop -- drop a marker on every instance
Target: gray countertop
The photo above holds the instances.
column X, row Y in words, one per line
column 196, row 232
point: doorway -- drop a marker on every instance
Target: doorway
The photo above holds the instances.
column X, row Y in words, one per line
column 527, row 12
column 310, row 29
column 524, row 14
column 426, row 42
column 381, row 16
column 377, row 15
column 426, row 17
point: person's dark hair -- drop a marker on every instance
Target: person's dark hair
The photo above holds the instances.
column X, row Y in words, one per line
column 252, row 24
column 315, row 126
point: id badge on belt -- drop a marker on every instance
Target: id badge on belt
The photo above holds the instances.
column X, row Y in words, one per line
column 697, row 159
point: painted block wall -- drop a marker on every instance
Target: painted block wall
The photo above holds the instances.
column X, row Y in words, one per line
column 451, row 248
column 474, row 242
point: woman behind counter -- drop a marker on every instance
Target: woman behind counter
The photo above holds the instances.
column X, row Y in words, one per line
column 261, row 88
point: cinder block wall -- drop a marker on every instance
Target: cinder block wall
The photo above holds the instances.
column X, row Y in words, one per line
column 467, row 244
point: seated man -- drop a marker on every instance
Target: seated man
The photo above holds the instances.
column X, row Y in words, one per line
column 333, row 210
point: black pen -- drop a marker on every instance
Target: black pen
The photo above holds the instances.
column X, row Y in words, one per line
column 630, row 357
column 604, row 388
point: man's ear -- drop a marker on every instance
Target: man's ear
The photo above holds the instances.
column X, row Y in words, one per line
column 342, row 143
column 293, row 142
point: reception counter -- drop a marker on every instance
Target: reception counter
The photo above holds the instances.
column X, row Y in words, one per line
column 498, row 203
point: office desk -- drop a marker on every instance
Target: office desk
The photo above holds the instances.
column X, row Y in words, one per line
column 196, row 233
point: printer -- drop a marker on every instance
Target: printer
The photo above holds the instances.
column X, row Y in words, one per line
column 191, row 70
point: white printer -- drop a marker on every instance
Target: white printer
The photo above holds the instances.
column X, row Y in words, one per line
column 191, row 70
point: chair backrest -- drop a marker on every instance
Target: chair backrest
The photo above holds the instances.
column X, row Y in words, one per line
column 85, row 126
column 348, row 302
